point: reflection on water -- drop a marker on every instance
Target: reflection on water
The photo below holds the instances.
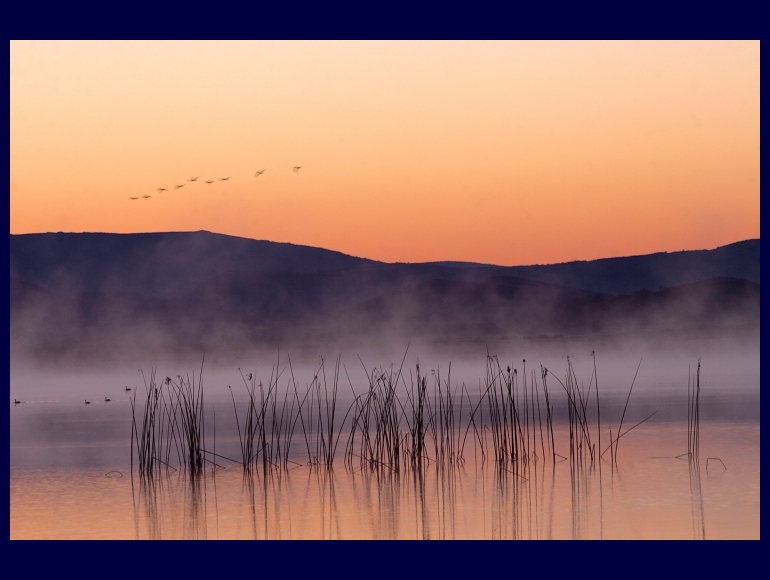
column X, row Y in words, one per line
column 648, row 494
column 696, row 495
column 171, row 508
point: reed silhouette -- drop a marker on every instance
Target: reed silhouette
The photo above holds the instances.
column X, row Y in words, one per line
column 400, row 422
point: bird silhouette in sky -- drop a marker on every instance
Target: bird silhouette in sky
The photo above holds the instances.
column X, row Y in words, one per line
column 258, row 173
column 296, row 168
column 178, row 186
column 193, row 179
column 209, row 181
column 161, row 189
column 146, row 196
column 223, row 178
column 133, row 198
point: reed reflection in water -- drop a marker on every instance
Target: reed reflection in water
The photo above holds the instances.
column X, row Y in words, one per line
column 647, row 496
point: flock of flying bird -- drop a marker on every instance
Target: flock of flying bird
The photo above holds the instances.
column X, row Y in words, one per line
column 296, row 169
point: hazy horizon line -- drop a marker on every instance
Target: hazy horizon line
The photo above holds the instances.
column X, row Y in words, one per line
column 445, row 261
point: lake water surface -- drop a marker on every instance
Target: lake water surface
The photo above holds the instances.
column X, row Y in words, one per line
column 71, row 473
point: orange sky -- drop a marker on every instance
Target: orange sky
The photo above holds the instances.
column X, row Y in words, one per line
column 497, row 152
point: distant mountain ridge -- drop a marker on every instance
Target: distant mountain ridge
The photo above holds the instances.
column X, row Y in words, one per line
column 88, row 293
column 625, row 275
column 163, row 264
column 170, row 264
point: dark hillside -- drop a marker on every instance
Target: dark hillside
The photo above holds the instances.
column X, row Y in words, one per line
column 106, row 292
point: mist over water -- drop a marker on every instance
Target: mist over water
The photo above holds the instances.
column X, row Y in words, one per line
column 730, row 364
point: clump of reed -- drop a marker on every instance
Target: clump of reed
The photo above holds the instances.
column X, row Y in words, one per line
column 693, row 416
column 511, row 411
column 172, row 424
column 375, row 438
column 693, row 454
column 318, row 420
column 581, row 448
column 272, row 417
column 266, row 436
column 394, row 424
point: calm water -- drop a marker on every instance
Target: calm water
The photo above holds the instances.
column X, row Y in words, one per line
column 70, row 478
column 649, row 495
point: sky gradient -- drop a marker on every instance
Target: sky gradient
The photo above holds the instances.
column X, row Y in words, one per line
column 497, row 152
